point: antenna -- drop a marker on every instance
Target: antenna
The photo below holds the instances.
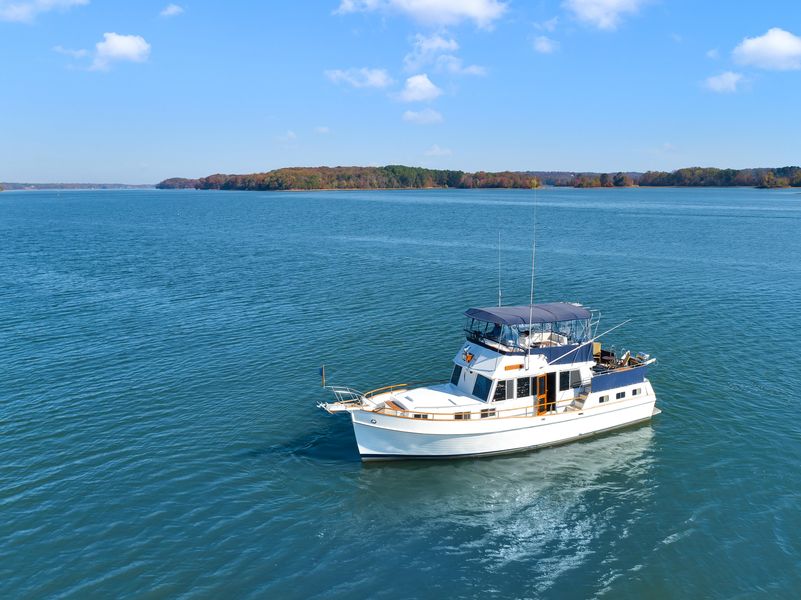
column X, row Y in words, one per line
column 499, row 268
column 531, row 295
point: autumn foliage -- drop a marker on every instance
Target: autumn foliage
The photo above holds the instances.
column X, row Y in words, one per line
column 352, row 178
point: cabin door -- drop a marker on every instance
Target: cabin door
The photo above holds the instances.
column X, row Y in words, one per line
column 541, row 394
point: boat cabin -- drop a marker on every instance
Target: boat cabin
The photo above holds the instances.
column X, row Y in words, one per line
column 510, row 329
column 525, row 352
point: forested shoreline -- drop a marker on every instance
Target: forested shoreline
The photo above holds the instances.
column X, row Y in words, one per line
column 402, row 177
column 353, row 178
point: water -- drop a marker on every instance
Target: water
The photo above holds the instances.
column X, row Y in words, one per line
column 158, row 374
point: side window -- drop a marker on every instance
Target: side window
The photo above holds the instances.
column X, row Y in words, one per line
column 457, row 372
column 503, row 390
column 603, row 399
column 620, row 395
column 481, row 389
column 569, row 379
column 635, row 392
column 461, row 416
column 487, row 412
column 524, row 387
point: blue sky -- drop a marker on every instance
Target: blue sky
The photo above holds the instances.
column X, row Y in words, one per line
column 102, row 90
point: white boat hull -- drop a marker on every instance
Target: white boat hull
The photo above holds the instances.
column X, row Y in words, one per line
column 386, row 437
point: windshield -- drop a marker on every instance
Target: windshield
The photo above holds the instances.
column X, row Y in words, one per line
column 524, row 336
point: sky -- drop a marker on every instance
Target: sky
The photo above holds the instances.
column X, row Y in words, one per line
column 135, row 92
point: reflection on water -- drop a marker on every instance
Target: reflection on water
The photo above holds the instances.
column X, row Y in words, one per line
column 538, row 508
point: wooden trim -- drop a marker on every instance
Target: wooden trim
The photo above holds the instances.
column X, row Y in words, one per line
column 497, row 414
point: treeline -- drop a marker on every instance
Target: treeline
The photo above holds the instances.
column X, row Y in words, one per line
column 603, row 180
column 702, row 177
column 688, row 177
column 401, row 177
column 586, row 179
column 352, row 178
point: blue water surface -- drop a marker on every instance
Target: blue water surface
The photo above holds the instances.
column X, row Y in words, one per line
column 159, row 356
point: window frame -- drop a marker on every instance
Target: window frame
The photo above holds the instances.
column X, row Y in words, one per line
column 457, row 374
column 517, row 387
column 508, row 394
column 562, row 376
column 569, row 380
column 479, row 378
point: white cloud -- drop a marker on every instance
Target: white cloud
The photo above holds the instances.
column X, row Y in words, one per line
column 436, row 150
column 453, row 64
column 351, row 6
column 427, row 116
column 26, row 12
column 432, row 12
column 419, row 88
column 438, row 51
column 172, row 10
column 777, row 50
column 116, row 47
column 322, row 130
column 714, row 54
column 69, row 52
column 603, row 14
column 425, row 50
column 545, row 45
column 360, row 78
column 725, row 83
column 549, row 25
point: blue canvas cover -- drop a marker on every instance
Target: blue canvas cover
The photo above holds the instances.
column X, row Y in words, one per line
column 547, row 312
column 618, row 378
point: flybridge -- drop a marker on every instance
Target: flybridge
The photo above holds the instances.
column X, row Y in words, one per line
column 529, row 328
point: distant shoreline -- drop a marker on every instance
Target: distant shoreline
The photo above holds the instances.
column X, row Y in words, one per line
column 69, row 187
column 403, row 177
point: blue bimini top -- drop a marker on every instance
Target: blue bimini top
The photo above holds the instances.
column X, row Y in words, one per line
column 547, row 312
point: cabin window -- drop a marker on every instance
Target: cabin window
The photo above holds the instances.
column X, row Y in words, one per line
column 603, row 399
column 569, row 380
column 420, row 416
column 503, row 390
column 481, row 389
column 524, row 387
column 620, row 395
column 487, row 412
column 635, row 392
column 461, row 416
column 457, row 372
